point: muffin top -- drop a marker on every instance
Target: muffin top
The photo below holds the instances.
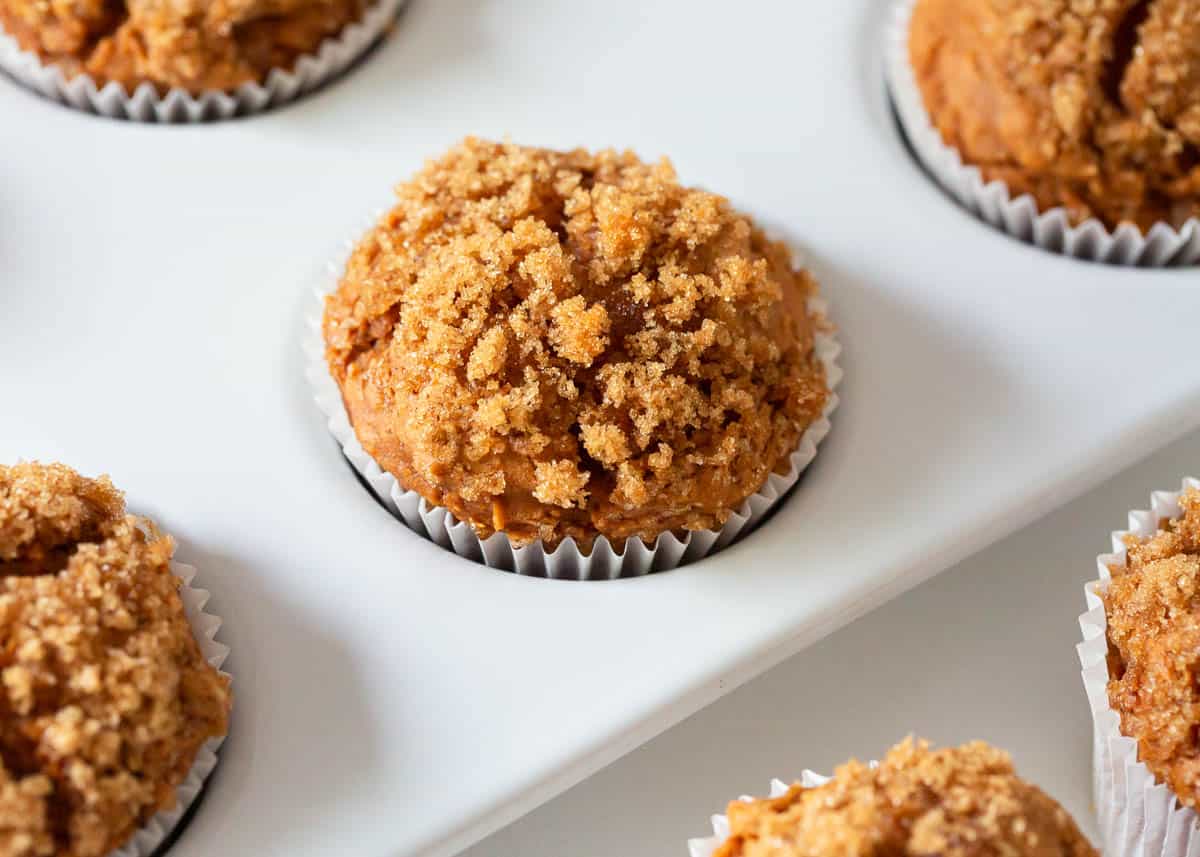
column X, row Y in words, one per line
column 1091, row 106
column 560, row 344
column 192, row 44
column 1152, row 607
column 960, row 802
column 105, row 695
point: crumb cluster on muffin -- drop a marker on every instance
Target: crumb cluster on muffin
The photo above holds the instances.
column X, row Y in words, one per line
column 105, row 697
column 954, row 802
column 573, row 344
column 1152, row 606
column 1093, row 106
column 196, row 45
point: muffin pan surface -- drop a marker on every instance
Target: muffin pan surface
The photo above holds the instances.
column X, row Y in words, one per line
column 394, row 699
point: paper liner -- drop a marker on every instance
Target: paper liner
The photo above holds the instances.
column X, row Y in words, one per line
column 145, row 104
column 204, row 627
column 705, row 846
column 1137, row 815
column 566, row 561
column 1162, row 246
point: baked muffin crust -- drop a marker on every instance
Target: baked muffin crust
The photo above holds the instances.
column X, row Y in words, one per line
column 561, row 344
column 1091, row 106
column 956, row 802
column 193, row 44
column 105, row 697
column 1152, row 607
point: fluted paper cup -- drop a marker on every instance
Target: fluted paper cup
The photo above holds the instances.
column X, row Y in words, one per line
column 1162, row 246
column 1137, row 815
column 706, row 846
column 567, row 560
column 150, row 836
column 147, row 104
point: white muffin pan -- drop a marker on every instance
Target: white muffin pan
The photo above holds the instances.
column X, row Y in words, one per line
column 392, row 698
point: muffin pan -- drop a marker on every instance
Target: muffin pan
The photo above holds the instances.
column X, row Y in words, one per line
column 392, row 698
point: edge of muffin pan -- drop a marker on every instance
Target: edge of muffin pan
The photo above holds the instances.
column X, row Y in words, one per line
column 566, row 561
column 1136, row 813
column 1162, row 247
column 146, row 104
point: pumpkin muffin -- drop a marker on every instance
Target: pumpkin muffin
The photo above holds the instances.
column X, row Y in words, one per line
column 960, row 802
column 105, row 696
column 1094, row 106
column 1152, row 607
column 196, row 45
column 556, row 344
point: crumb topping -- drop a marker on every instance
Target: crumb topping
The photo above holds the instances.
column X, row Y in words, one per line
column 955, row 802
column 1152, row 607
column 192, row 44
column 1094, row 106
column 105, row 697
column 565, row 344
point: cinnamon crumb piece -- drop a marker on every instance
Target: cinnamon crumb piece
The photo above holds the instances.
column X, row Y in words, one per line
column 955, row 802
column 579, row 332
column 606, row 443
column 573, row 344
column 560, row 483
column 1153, row 613
column 105, row 697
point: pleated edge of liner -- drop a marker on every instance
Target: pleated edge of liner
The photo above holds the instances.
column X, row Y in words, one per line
column 566, row 561
column 333, row 56
column 705, row 846
column 1122, row 785
column 1162, row 247
column 204, row 628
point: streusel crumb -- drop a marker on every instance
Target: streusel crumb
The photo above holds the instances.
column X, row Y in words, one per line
column 105, row 697
column 193, row 44
column 1093, row 106
column 561, row 344
column 956, row 802
column 1153, row 612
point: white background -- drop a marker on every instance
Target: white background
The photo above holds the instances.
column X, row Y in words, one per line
column 985, row 650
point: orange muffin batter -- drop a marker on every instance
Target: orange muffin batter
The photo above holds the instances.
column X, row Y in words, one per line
column 560, row 344
column 1091, row 106
column 192, row 44
column 1153, row 612
column 961, row 802
column 105, row 697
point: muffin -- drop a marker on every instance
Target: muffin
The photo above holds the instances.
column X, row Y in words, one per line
column 106, row 698
column 1092, row 107
column 560, row 345
column 194, row 45
column 960, row 802
column 1152, row 607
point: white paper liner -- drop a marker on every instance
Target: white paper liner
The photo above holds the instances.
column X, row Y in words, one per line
column 1162, row 246
column 566, row 561
column 145, row 104
column 204, row 627
column 704, row 847
column 1137, row 815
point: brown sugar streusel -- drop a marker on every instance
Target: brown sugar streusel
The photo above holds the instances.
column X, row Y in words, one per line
column 1152, row 608
column 955, row 802
column 557, row 344
column 1093, row 106
column 196, row 45
column 105, row 697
